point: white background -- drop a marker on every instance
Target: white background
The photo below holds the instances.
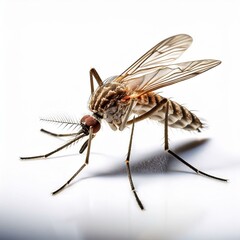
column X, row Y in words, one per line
column 46, row 51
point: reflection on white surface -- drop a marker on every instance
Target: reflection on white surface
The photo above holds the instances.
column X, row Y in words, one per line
column 48, row 48
column 99, row 204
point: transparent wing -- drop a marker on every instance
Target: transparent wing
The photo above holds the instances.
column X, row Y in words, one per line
column 164, row 52
column 163, row 76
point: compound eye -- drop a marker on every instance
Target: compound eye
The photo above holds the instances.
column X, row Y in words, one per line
column 91, row 121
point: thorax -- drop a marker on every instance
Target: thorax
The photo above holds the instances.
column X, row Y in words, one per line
column 107, row 102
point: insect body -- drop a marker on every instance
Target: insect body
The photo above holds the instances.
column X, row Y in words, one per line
column 178, row 115
column 132, row 93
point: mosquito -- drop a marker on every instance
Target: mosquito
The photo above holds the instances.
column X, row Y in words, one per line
column 132, row 93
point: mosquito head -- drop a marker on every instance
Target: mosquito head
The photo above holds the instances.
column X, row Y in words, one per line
column 88, row 121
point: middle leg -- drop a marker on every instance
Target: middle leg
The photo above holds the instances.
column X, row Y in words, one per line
column 129, row 170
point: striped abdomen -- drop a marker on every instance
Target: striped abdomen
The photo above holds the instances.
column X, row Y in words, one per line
column 179, row 116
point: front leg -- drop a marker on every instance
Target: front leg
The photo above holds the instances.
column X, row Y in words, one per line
column 75, row 139
column 59, row 134
column 83, row 165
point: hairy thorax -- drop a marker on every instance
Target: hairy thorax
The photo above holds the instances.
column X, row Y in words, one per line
column 107, row 102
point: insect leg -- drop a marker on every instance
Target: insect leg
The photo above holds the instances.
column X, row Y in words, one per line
column 129, row 170
column 149, row 113
column 166, row 147
column 94, row 73
column 57, row 134
column 81, row 168
column 84, row 146
column 56, row 150
column 124, row 122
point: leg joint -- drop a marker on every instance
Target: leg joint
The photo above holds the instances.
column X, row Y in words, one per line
column 166, row 148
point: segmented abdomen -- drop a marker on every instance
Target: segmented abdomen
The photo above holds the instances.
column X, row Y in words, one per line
column 179, row 116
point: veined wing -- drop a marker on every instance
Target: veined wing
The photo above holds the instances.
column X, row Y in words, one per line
column 164, row 52
column 166, row 75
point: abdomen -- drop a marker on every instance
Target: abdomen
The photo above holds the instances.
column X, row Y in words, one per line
column 179, row 116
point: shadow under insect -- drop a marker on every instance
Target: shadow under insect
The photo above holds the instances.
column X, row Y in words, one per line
column 156, row 162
